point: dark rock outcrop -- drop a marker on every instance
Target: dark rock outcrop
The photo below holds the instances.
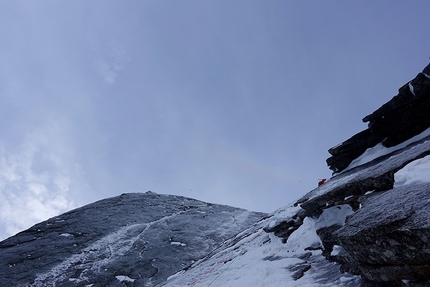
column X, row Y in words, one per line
column 403, row 117
column 284, row 229
column 344, row 153
column 389, row 236
column 136, row 239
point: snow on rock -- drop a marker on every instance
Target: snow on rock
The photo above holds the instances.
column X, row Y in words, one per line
column 416, row 171
column 411, row 88
column 379, row 150
column 123, row 278
column 335, row 215
column 282, row 214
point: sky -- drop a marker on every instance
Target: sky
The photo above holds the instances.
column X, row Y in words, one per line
column 231, row 102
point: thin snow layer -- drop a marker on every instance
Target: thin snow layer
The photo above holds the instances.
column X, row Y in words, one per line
column 379, row 150
column 416, row 171
column 256, row 258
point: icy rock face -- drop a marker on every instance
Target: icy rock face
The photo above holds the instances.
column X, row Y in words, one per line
column 136, row 239
column 403, row 117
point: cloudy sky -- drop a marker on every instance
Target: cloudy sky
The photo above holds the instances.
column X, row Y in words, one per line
column 233, row 102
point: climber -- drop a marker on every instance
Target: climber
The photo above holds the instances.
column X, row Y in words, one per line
column 322, row 181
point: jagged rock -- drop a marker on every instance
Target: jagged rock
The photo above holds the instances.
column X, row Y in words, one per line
column 328, row 239
column 299, row 270
column 394, row 273
column 368, row 283
column 389, row 236
column 415, row 89
column 142, row 237
column 401, row 118
column 285, row 228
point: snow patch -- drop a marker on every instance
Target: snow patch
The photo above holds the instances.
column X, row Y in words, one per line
column 305, row 236
column 379, row 150
column 336, row 250
column 416, row 171
column 411, row 88
column 123, row 278
column 335, row 215
column 286, row 212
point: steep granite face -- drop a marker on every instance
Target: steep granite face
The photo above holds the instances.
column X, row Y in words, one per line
column 136, row 239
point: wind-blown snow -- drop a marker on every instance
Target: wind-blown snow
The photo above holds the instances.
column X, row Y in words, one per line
column 416, row 171
column 379, row 150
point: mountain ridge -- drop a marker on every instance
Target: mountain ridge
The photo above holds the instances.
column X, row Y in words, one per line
column 131, row 235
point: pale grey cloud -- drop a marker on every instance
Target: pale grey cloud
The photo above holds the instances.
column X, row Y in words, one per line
column 114, row 62
column 34, row 183
column 233, row 102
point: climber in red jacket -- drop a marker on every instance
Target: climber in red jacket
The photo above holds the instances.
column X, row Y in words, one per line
column 322, row 181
